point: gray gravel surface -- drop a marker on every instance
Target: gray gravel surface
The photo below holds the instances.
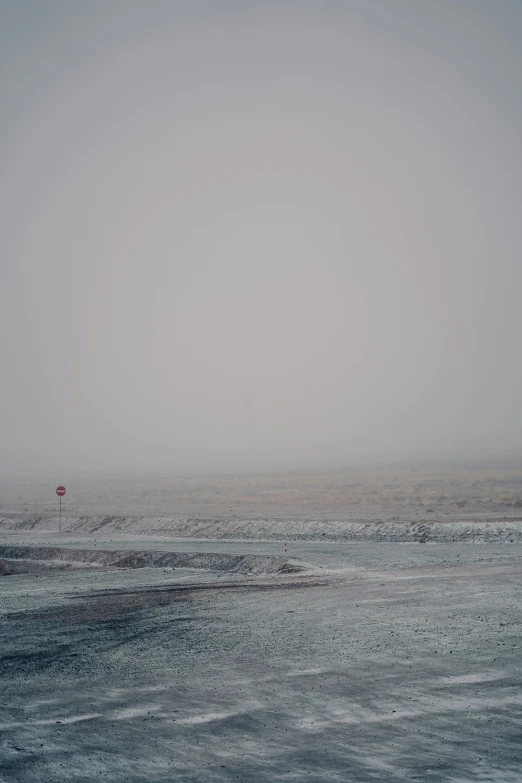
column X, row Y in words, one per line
column 387, row 662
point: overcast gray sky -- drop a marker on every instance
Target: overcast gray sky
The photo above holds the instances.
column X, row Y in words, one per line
column 247, row 235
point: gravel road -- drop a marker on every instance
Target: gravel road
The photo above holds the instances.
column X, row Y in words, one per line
column 382, row 662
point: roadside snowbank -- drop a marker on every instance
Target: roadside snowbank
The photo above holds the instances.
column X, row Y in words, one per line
column 478, row 530
column 230, row 564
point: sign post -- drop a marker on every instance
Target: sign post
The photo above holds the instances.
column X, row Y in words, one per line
column 60, row 491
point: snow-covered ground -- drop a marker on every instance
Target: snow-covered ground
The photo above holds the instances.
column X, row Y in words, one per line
column 378, row 662
column 479, row 530
column 381, row 504
column 354, row 494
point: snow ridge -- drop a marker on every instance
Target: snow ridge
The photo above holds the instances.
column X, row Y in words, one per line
column 474, row 530
column 219, row 562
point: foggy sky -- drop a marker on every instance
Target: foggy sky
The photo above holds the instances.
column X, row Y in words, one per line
column 242, row 235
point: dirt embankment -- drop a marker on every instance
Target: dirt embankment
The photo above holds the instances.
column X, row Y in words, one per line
column 401, row 530
column 230, row 564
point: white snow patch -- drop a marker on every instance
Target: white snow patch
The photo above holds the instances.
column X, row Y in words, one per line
column 470, row 679
column 134, row 712
column 50, row 721
column 208, row 717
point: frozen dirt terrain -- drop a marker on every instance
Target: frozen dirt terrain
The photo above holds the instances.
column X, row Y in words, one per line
column 379, row 661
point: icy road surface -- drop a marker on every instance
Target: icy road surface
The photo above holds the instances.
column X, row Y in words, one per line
column 384, row 662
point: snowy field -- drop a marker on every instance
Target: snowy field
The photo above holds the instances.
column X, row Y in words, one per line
column 377, row 661
column 353, row 494
column 382, row 504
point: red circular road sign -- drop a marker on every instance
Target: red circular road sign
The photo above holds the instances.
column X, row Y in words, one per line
column 60, row 491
